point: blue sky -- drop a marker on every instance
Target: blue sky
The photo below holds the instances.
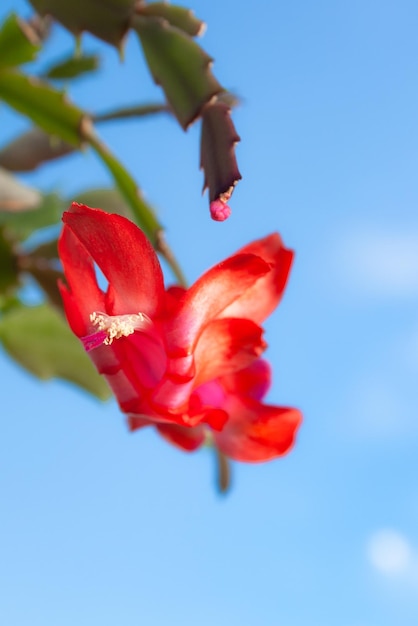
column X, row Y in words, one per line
column 100, row 526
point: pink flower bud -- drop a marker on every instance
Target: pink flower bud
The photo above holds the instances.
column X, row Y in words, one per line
column 219, row 211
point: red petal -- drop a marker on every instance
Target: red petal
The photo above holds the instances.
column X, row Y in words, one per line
column 216, row 418
column 252, row 382
column 188, row 439
column 124, row 255
column 137, row 421
column 125, row 390
column 143, row 358
column 227, row 345
column 209, row 296
column 172, row 396
column 261, row 299
column 256, row 432
column 173, row 296
column 82, row 296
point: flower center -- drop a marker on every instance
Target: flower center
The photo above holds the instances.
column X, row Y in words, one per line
column 110, row 327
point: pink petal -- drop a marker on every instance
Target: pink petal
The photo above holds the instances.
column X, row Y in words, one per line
column 206, row 405
column 124, row 255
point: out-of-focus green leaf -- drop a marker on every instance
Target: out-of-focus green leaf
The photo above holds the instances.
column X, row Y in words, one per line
column 72, row 67
column 179, row 65
column 48, row 250
column 47, row 278
column 9, row 271
column 19, row 42
column 23, row 223
column 43, row 264
column 180, row 17
column 107, row 199
column 14, row 196
column 35, row 147
column 217, row 151
column 45, row 106
column 31, row 149
column 39, row 339
column 107, row 19
column 8, row 303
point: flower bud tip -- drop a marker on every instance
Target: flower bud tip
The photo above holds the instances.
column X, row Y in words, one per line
column 219, row 211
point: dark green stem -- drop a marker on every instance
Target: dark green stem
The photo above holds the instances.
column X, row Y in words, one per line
column 129, row 112
column 142, row 213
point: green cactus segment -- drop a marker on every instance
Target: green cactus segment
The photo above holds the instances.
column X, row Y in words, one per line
column 180, row 17
column 108, row 20
column 72, row 67
column 217, row 151
column 18, row 42
column 140, row 211
column 48, row 109
column 106, row 198
column 179, row 65
column 22, row 223
column 44, row 105
column 39, row 339
column 46, row 276
column 9, row 275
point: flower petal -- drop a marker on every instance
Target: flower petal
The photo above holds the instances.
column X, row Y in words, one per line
column 187, row 439
column 124, row 255
column 209, row 296
column 83, row 295
column 252, row 382
column 257, row 432
column 183, row 437
column 143, row 356
column 258, row 302
column 138, row 421
column 225, row 346
column 109, row 364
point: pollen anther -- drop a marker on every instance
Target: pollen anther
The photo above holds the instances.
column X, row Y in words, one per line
column 117, row 326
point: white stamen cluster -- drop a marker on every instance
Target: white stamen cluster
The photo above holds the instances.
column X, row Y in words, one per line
column 117, row 326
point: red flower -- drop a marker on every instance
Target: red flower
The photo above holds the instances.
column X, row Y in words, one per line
column 185, row 361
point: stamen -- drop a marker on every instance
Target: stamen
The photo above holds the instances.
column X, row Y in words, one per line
column 112, row 327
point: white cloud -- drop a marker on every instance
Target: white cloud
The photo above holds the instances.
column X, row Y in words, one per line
column 392, row 555
column 380, row 262
column 389, row 552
